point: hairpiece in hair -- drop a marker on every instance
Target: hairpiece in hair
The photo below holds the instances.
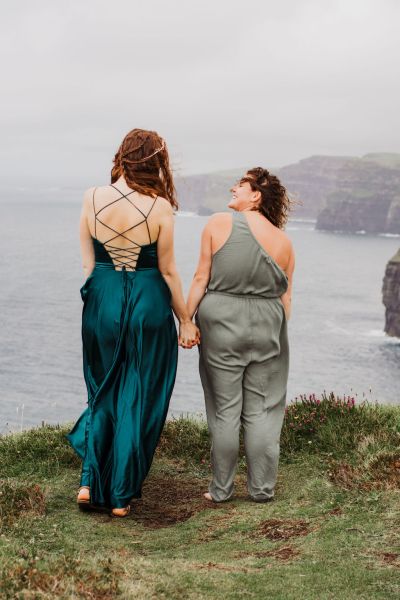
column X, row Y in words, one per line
column 142, row 159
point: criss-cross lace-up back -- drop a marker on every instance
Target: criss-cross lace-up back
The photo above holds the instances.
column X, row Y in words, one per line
column 123, row 258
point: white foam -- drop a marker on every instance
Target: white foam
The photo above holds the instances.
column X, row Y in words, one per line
column 381, row 335
column 375, row 333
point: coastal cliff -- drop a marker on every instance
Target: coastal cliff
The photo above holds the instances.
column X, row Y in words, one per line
column 366, row 197
column 310, row 181
column 391, row 296
column 343, row 193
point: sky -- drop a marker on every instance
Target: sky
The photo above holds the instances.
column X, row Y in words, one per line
column 226, row 83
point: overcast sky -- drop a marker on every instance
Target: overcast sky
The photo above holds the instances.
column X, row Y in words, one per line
column 227, row 83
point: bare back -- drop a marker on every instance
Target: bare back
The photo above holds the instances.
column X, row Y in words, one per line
column 123, row 222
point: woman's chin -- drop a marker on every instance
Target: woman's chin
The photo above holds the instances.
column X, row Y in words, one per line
column 232, row 204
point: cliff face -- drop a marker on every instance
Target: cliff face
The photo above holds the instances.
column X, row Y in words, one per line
column 208, row 193
column 311, row 180
column 366, row 197
column 343, row 193
column 391, row 296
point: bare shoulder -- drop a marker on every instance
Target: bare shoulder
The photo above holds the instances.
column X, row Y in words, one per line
column 218, row 219
column 286, row 240
column 88, row 196
column 282, row 236
column 164, row 207
column 282, row 233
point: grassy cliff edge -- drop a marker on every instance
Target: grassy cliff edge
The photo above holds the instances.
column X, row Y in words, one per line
column 332, row 530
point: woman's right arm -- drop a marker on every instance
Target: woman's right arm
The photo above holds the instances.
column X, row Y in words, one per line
column 202, row 275
column 189, row 334
column 86, row 243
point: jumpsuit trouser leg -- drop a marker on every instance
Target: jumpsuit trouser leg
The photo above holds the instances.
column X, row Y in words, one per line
column 247, row 386
column 223, row 399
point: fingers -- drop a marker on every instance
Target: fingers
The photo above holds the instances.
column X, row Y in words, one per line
column 188, row 343
column 189, row 336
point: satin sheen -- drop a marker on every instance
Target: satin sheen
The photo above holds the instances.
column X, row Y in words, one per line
column 130, row 352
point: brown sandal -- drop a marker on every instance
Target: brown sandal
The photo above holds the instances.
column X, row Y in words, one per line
column 125, row 512
column 83, row 500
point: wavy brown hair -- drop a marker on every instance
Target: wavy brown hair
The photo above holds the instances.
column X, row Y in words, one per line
column 275, row 203
column 143, row 160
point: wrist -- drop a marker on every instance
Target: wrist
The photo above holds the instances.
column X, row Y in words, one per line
column 184, row 320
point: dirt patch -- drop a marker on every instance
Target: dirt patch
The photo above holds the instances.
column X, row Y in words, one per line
column 284, row 553
column 334, row 512
column 65, row 578
column 210, row 566
column 168, row 500
column 391, row 558
column 344, row 475
column 282, row 529
column 216, row 526
column 385, row 470
column 17, row 499
column 380, row 472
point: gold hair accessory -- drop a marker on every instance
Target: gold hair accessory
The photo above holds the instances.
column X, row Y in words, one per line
column 142, row 159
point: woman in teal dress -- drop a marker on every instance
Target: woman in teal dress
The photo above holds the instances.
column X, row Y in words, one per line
column 129, row 338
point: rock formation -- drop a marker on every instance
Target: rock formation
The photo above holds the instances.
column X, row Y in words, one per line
column 343, row 193
column 391, row 296
column 366, row 197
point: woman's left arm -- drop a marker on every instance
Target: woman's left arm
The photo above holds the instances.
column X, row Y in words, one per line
column 287, row 296
column 202, row 274
column 87, row 250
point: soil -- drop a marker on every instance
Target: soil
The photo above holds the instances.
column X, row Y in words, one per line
column 168, row 500
column 282, row 529
column 283, row 553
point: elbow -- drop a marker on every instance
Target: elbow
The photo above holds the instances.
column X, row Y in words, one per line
column 88, row 267
column 168, row 272
column 201, row 280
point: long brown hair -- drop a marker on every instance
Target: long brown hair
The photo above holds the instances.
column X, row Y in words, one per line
column 143, row 160
column 275, row 203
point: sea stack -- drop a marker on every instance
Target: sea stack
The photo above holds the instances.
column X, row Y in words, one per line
column 391, row 296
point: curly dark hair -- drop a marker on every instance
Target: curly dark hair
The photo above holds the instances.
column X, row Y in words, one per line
column 275, row 203
column 143, row 160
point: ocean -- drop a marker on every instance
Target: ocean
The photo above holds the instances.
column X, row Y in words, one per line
column 336, row 333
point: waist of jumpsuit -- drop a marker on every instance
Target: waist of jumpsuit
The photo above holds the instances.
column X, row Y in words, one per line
column 272, row 296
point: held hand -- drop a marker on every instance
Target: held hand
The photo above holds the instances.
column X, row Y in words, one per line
column 189, row 335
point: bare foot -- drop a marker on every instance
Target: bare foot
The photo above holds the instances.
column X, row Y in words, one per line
column 207, row 496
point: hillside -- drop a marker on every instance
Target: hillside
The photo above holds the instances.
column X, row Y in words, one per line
column 366, row 198
column 310, row 180
column 342, row 192
column 332, row 530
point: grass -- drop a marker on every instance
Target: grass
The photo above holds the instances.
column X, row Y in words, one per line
column 332, row 531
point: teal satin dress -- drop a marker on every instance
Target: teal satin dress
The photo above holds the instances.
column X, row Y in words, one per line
column 130, row 351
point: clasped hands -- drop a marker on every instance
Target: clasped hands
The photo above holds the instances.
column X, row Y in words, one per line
column 189, row 334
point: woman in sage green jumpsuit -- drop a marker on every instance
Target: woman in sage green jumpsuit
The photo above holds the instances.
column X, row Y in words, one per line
column 244, row 361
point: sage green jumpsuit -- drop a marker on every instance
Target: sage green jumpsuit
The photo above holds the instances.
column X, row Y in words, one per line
column 244, row 361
